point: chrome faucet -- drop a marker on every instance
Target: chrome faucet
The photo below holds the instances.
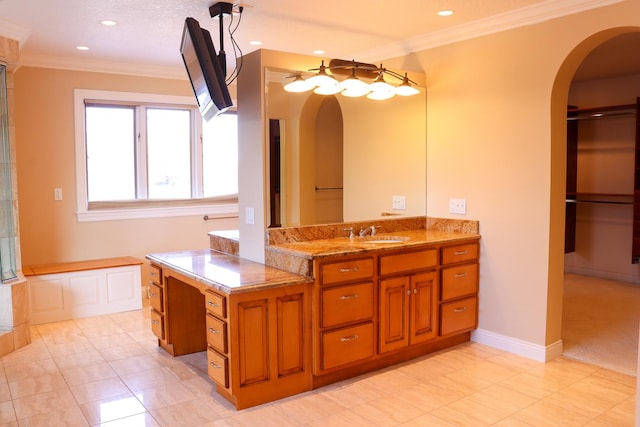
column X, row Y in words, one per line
column 370, row 229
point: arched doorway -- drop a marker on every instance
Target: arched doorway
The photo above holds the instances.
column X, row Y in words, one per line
column 560, row 96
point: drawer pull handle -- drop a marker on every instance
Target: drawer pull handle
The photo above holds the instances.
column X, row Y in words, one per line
column 459, row 310
column 460, row 275
column 213, row 304
column 155, row 322
column 152, row 294
column 351, row 338
column 213, row 365
column 348, row 297
column 460, row 252
column 348, row 270
column 214, row 331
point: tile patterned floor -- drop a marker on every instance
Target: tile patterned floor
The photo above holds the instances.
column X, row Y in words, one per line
column 108, row 371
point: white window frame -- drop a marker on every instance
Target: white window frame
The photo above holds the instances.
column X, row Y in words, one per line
column 83, row 214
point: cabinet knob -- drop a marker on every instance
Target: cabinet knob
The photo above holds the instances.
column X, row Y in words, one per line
column 351, row 338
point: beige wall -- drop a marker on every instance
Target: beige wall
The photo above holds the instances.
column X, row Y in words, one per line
column 49, row 231
column 496, row 130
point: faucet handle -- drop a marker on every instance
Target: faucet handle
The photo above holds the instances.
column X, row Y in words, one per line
column 374, row 229
column 350, row 230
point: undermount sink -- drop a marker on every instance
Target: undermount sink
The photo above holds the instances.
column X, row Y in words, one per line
column 381, row 239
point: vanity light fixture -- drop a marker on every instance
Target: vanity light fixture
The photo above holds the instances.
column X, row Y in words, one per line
column 362, row 79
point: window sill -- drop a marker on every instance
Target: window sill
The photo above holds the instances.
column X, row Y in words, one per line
column 212, row 211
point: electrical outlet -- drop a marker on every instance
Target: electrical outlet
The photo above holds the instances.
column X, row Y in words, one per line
column 398, row 202
column 57, row 194
column 458, row 206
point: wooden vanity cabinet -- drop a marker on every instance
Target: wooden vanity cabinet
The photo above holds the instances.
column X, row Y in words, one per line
column 155, row 292
column 459, row 289
column 217, row 337
column 344, row 330
column 408, row 299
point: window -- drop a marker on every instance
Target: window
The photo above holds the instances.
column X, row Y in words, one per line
column 141, row 155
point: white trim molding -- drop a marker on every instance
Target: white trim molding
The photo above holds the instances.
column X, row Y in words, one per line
column 513, row 345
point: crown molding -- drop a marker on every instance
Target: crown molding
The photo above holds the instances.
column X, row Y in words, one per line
column 14, row 31
column 143, row 70
column 534, row 14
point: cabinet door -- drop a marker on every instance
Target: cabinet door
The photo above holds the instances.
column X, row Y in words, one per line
column 394, row 313
column 423, row 313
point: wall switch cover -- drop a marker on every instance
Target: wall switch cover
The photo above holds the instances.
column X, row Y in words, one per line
column 398, row 202
column 458, row 206
column 57, row 194
column 250, row 216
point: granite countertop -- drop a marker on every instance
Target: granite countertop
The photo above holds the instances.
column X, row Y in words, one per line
column 311, row 249
column 229, row 274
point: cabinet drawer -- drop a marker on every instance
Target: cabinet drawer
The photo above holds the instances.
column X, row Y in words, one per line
column 410, row 261
column 346, row 271
column 216, row 304
column 218, row 367
column 459, row 253
column 458, row 316
column 157, row 324
column 155, row 298
column 346, row 304
column 347, row 345
column 459, row 281
column 217, row 333
column 155, row 275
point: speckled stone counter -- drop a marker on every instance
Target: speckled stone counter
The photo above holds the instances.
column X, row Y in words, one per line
column 226, row 273
column 294, row 249
column 225, row 241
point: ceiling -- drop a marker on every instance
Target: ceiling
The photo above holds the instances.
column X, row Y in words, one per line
column 146, row 38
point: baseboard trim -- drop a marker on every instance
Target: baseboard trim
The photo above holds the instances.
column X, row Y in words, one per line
column 513, row 345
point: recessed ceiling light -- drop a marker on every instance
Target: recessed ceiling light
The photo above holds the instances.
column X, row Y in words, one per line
column 445, row 12
column 318, row 52
column 82, row 48
column 108, row 22
column 255, row 43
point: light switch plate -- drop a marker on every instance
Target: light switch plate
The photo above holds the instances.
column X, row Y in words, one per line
column 250, row 216
column 458, row 206
column 57, row 194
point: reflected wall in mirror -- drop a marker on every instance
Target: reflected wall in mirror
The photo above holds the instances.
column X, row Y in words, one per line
column 340, row 158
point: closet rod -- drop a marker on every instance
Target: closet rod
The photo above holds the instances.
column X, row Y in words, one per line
column 607, row 202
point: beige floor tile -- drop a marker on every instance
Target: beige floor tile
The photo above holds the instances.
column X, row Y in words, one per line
column 31, row 369
column 388, row 411
column 7, row 413
column 351, row 393
column 621, row 415
column 37, row 384
column 165, row 395
column 592, row 396
column 308, row 407
column 427, row 420
column 140, row 420
column 545, row 413
column 536, row 386
column 428, row 396
column 87, row 374
column 33, row 352
column 264, row 415
column 346, row 418
column 118, row 352
column 76, row 360
column 149, row 378
column 99, row 390
column 5, row 393
column 131, row 365
column 389, row 381
column 71, row 416
column 502, row 399
column 112, row 408
column 111, row 340
column 44, row 403
column 63, row 349
column 192, row 413
column 468, row 412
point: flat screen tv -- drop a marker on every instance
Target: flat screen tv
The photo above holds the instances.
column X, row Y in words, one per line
column 204, row 69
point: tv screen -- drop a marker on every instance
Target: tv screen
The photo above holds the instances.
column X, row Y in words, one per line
column 204, row 69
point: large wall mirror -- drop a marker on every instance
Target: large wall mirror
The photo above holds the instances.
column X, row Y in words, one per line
column 334, row 158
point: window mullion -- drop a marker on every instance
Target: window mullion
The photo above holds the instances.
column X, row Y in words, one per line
column 142, row 182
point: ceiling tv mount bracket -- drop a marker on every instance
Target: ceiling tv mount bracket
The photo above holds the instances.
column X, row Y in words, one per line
column 220, row 9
